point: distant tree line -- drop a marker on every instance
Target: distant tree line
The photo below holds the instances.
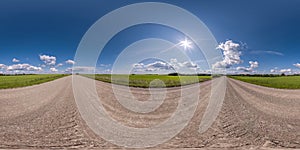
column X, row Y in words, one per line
column 180, row 74
column 264, row 75
column 19, row 74
column 16, row 74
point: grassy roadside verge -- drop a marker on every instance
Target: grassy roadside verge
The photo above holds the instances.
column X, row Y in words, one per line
column 280, row 82
column 26, row 80
column 144, row 81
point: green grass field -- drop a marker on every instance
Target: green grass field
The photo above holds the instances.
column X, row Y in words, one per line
column 145, row 80
column 281, row 82
column 26, row 80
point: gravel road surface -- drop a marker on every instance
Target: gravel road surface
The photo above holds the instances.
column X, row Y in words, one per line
column 46, row 116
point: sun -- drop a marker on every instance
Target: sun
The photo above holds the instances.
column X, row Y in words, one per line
column 186, row 44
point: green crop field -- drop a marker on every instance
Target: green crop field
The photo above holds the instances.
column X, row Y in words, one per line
column 26, row 80
column 281, row 82
column 144, row 81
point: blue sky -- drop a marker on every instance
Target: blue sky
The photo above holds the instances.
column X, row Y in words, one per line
column 33, row 28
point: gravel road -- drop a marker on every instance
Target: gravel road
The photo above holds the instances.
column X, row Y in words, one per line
column 46, row 116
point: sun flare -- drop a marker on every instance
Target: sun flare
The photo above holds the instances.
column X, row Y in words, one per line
column 186, row 44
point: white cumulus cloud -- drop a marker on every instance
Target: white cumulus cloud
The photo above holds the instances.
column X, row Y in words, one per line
column 34, row 68
column 231, row 52
column 59, row 65
column 173, row 64
column 15, row 60
column 159, row 65
column 48, row 60
column 155, row 66
column 183, row 65
column 253, row 65
column 273, row 70
column 69, row 70
column 52, row 69
column 71, row 62
column 188, row 64
column 23, row 67
column 138, row 66
column 297, row 65
column 2, row 66
column 285, row 71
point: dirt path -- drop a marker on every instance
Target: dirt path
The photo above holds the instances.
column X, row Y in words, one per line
column 251, row 117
